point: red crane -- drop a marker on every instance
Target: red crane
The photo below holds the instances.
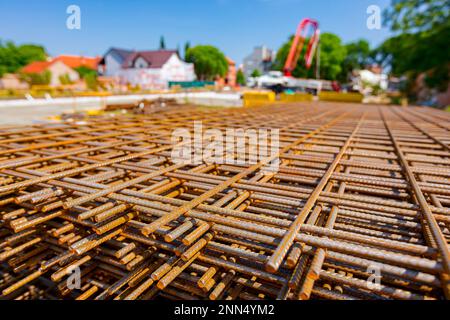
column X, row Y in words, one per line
column 298, row 43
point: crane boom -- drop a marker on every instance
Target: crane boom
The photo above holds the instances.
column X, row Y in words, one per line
column 298, row 43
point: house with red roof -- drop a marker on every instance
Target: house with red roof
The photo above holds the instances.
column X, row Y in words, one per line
column 62, row 66
column 79, row 61
column 146, row 69
column 55, row 67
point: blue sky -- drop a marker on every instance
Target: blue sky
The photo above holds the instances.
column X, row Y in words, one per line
column 235, row 26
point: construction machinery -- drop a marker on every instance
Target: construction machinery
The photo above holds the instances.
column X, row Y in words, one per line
column 298, row 45
column 307, row 32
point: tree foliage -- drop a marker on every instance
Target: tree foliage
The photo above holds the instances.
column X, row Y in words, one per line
column 13, row 57
column 162, row 43
column 240, row 78
column 421, row 47
column 332, row 55
column 84, row 71
column 209, row 62
column 256, row 73
column 187, row 46
column 89, row 76
column 359, row 55
column 411, row 16
column 42, row 78
column 65, row 79
column 91, row 81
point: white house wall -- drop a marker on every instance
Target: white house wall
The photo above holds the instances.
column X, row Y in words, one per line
column 59, row 69
column 174, row 70
column 140, row 63
column 113, row 66
column 177, row 70
column 144, row 78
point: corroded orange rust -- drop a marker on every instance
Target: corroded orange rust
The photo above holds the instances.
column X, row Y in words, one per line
column 360, row 191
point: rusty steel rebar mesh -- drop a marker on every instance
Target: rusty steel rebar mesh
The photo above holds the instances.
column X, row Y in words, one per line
column 361, row 192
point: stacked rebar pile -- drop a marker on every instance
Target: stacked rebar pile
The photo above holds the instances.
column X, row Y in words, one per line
column 359, row 208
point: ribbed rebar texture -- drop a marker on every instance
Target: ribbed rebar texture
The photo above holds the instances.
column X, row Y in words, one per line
column 358, row 207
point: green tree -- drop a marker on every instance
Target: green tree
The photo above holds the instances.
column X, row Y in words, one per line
column 65, row 79
column 187, row 46
column 358, row 56
column 83, row 71
column 240, row 78
column 332, row 56
column 209, row 62
column 421, row 43
column 256, row 73
column 13, row 58
column 42, row 78
column 162, row 43
column 89, row 76
column 91, row 81
column 412, row 16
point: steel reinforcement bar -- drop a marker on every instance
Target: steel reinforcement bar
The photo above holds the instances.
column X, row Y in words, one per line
column 344, row 202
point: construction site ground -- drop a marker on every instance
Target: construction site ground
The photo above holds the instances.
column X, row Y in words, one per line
column 358, row 207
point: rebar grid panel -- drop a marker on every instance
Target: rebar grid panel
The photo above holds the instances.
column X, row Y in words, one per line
column 359, row 207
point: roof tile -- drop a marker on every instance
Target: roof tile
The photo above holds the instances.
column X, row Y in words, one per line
column 155, row 59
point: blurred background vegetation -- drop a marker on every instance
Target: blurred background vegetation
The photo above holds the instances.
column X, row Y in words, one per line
column 419, row 47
